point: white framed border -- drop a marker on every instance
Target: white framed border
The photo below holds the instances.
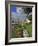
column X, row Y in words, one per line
column 33, row 25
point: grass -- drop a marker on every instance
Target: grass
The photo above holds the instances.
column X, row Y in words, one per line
column 19, row 28
column 29, row 29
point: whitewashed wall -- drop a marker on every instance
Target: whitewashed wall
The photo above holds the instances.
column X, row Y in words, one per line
column 37, row 22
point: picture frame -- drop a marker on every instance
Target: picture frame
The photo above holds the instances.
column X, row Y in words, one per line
column 19, row 8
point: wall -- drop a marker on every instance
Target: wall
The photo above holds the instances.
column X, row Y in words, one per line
column 2, row 25
column 37, row 22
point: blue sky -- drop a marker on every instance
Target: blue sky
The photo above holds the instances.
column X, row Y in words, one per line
column 13, row 8
column 15, row 14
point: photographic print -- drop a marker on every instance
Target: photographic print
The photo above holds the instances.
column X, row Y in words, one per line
column 21, row 22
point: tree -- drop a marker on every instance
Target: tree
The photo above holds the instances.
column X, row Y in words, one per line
column 27, row 10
